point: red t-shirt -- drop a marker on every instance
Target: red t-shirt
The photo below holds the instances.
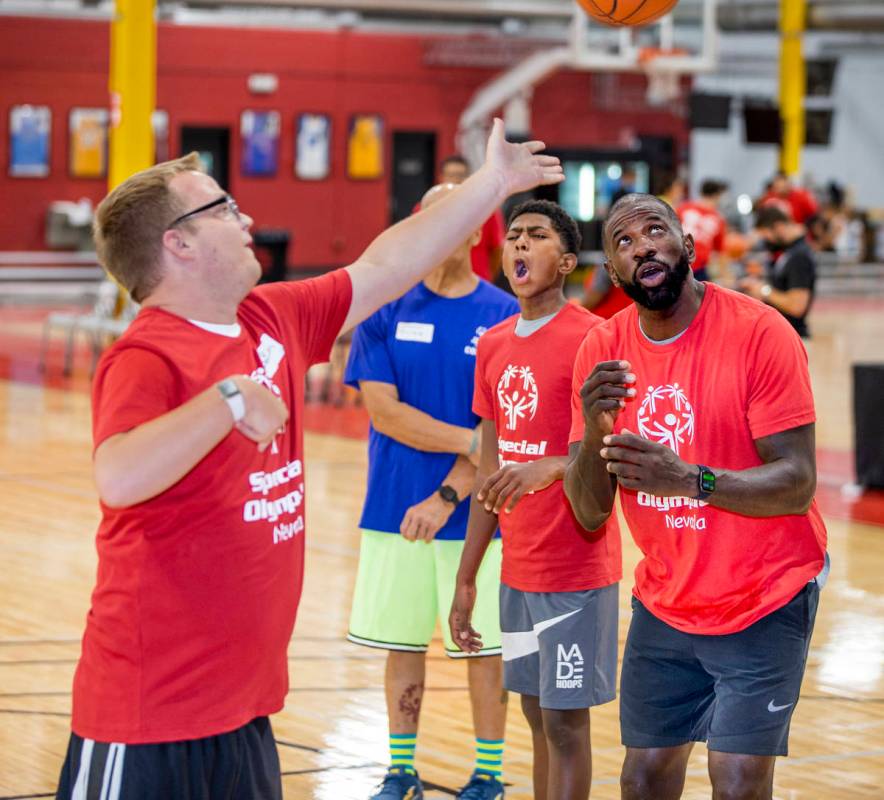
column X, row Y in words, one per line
column 197, row 588
column 524, row 385
column 492, row 239
column 798, row 203
column 739, row 373
column 707, row 227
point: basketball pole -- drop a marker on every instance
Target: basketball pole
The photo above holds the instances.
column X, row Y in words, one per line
column 132, row 83
column 793, row 16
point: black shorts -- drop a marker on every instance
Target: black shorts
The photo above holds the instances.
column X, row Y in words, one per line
column 240, row 765
column 736, row 692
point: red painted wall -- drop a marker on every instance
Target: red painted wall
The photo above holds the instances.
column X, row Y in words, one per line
column 202, row 74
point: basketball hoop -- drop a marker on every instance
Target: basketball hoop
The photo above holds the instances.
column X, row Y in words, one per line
column 664, row 84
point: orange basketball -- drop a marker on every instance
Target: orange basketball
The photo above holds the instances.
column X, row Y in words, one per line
column 627, row 12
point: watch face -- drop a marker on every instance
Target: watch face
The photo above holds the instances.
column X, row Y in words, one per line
column 228, row 388
column 707, row 480
column 449, row 494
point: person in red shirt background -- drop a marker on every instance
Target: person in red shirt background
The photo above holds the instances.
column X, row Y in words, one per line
column 799, row 203
column 485, row 255
column 704, row 222
column 733, row 553
column 558, row 594
column 601, row 296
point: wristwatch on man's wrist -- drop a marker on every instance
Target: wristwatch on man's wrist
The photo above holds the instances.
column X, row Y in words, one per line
column 705, row 482
column 448, row 494
column 233, row 397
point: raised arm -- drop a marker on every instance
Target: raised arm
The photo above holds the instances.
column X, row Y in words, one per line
column 402, row 255
column 411, row 426
column 141, row 463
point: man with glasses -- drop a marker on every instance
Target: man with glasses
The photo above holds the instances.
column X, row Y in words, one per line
column 198, row 460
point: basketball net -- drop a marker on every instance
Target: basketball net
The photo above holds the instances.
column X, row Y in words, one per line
column 664, row 86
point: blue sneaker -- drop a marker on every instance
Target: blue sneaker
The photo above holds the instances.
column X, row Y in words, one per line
column 482, row 786
column 398, row 784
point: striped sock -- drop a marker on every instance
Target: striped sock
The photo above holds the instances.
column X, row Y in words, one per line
column 402, row 747
column 489, row 758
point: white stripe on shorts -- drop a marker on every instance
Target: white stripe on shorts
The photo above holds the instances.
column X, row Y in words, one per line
column 113, row 773
column 523, row 643
column 111, row 780
column 81, row 785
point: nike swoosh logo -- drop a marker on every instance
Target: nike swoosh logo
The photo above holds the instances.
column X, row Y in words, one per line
column 523, row 643
column 772, row 708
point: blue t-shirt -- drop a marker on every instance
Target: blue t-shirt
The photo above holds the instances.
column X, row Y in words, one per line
column 425, row 345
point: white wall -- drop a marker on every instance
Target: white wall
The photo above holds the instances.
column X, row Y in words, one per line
column 855, row 155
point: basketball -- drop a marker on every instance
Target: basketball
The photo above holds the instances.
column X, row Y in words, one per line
column 627, row 12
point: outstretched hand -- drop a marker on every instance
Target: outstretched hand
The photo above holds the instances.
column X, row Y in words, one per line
column 522, row 166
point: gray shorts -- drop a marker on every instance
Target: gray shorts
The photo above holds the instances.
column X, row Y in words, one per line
column 735, row 691
column 560, row 646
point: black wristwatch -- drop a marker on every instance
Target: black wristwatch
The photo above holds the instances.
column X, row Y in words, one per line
column 705, row 482
column 448, row 494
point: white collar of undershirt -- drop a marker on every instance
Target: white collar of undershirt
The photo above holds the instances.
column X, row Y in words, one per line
column 230, row 330
column 525, row 327
column 661, row 342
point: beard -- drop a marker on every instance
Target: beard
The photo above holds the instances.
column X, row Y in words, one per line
column 665, row 295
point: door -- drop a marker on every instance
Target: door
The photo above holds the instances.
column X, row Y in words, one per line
column 213, row 146
column 414, row 170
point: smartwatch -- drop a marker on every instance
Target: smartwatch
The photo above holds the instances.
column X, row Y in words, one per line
column 233, row 397
column 765, row 290
column 448, row 494
column 705, row 482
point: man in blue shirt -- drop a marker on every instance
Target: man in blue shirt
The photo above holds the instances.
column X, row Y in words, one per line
column 414, row 362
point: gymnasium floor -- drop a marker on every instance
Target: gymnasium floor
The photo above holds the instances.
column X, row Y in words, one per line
column 332, row 733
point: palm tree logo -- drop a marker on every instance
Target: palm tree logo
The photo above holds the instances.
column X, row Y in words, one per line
column 517, row 395
column 666, row 416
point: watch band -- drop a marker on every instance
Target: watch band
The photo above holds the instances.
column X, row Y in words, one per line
column 233, row 397
column 705, row 482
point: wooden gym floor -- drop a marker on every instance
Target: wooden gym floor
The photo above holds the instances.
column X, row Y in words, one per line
column 332, row 733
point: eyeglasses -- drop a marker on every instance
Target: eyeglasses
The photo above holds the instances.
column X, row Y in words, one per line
column 232, row 207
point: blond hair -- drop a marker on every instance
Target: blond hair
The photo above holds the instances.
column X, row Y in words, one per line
column 130, row 222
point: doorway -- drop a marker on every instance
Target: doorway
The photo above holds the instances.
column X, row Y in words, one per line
column 414, row 170
column 213, row 146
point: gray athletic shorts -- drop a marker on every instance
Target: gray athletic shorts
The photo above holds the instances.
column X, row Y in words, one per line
column 736, row 691
column 560, row 646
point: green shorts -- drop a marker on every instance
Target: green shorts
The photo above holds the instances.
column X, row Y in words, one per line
column 403, row 587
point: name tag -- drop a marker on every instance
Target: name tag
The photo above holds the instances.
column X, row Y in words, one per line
column 415, row 332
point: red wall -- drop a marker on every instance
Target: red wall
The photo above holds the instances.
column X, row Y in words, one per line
column 201, row 80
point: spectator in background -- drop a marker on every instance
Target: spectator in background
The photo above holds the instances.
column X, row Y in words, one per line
column 485, row 256
column 627, row 184
column 798, row 203
column 790, row 274
column 702, row 219
column 601, row 296
column 674, row 191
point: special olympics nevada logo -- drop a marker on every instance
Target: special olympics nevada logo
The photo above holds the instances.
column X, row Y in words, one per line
column 517, row 395
column 665, row 416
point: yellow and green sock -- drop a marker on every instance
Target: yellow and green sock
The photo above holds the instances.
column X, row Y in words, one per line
column 402, row 746
column 489, row 758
